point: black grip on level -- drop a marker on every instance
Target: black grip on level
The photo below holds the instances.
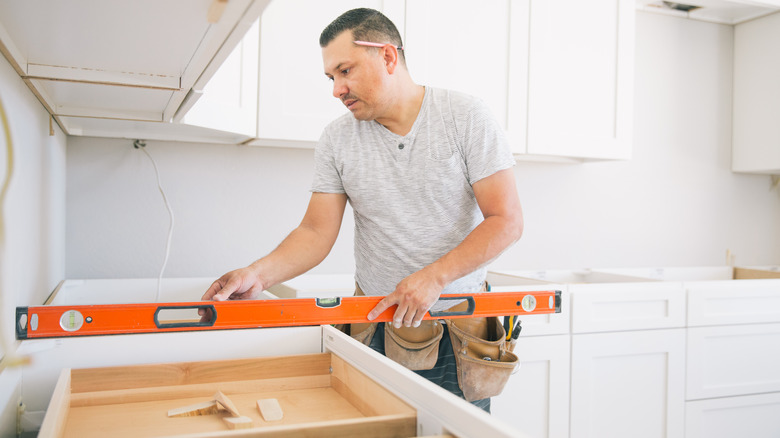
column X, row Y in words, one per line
column 21, row 332
column 209, row 323
column 557, row 301
column 469, row 311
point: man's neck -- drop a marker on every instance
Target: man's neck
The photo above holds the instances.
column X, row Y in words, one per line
column 405, row 110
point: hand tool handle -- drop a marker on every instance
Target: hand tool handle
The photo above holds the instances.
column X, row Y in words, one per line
column 202, row 323
column 468, row 311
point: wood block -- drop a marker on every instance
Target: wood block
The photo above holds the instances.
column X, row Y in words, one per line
column 226, row 403
column 204, row 408
column 238, row 422
column 270, row 409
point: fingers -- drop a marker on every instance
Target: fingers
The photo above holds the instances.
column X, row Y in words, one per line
column 413, row 319
column 383, row 305
column 230, row 287
column 406, row 314
column 205, row 315
column 238, row 284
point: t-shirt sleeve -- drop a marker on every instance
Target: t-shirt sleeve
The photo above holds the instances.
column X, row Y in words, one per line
column 327, row 178
column 486, row 148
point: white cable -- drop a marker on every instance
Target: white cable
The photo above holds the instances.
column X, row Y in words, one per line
column 170, row 227
column 9, row 357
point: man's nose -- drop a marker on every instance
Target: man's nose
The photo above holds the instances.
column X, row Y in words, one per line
column 339, row 89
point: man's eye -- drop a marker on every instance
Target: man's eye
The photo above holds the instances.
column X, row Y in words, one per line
column 345, row 71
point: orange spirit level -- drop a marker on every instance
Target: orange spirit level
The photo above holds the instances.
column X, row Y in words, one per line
column 112, row 319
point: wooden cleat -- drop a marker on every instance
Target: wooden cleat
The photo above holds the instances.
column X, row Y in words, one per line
column 238, row 422
column 204, row 408
column 270, row 409
column 226, row 403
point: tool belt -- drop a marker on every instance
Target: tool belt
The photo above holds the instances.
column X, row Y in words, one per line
column 483, row 359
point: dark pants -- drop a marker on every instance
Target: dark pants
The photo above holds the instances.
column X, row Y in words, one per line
column 444, row 373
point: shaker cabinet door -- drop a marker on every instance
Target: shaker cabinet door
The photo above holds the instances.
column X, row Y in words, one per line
column 536, row 398
column 580, row 94
column 628, row 384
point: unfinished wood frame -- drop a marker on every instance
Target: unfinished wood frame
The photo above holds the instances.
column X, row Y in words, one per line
column 318, row 392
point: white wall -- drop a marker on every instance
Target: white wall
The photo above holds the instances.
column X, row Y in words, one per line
column 33, row 258
column 676, row 203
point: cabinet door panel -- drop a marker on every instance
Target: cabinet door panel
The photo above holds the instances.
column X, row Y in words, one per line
column 229, row 100
column 627, row 306
column 754, row 416
column 756, row 145
column 296, row 100
column 733, row 360
column 456, row 45
column 536, row 398
column 628, row 384
column 581, row 78
column 733, row 302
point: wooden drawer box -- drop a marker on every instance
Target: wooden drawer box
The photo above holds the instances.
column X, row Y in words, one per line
column 319, row 394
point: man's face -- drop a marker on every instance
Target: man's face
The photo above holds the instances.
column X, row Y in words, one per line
column 358, row 75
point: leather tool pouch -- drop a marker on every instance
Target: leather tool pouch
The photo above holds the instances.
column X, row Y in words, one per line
column 483, row 359
column 416, row 348
column 362, row 332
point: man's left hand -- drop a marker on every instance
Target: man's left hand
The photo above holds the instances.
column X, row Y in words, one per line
column 414, row 295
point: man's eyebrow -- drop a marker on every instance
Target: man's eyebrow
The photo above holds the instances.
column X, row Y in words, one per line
column 337, row 68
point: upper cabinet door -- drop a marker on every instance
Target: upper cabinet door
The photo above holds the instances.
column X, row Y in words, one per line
column 228, row 101
column 580, row 94
column 116, row 68
column 296, row 100
column 463, row 46
column 756, row 145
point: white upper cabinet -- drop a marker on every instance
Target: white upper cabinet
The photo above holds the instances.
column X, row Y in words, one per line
column 122, row 68
column 580, row 84
column 296, row 98
column 228, row 102
column 756, row 137
column 456, row 45
column 558, row 76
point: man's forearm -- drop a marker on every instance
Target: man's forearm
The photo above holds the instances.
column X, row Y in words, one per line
column 307, row 245
column 303, row 249
column 486, row 242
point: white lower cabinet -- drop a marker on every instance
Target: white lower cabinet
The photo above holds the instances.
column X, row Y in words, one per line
column 727, row 361
column 536, row 398
column 754, row 416
column 628, row 384
column 680, row 353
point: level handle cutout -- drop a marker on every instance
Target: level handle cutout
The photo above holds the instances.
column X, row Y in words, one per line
column 468, row 311
column 185, row 316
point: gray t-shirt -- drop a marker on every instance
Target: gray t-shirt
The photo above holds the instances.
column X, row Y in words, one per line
column 412, row 196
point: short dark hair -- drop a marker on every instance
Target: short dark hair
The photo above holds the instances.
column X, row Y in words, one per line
column 366, row 25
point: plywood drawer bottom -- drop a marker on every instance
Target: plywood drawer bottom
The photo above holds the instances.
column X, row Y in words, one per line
column 318, row 393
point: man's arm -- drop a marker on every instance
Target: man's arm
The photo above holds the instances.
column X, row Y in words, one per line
column 503, row 226
column 305, row 247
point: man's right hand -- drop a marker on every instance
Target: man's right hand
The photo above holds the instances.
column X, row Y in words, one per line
column 241, row 284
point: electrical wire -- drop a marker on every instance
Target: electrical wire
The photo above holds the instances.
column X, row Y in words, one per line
column 142, row 146
column 9, row 358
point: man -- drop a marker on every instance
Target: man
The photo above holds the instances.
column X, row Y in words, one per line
column 427, row 173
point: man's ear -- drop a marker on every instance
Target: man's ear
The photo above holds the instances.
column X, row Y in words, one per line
column 390, row 56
